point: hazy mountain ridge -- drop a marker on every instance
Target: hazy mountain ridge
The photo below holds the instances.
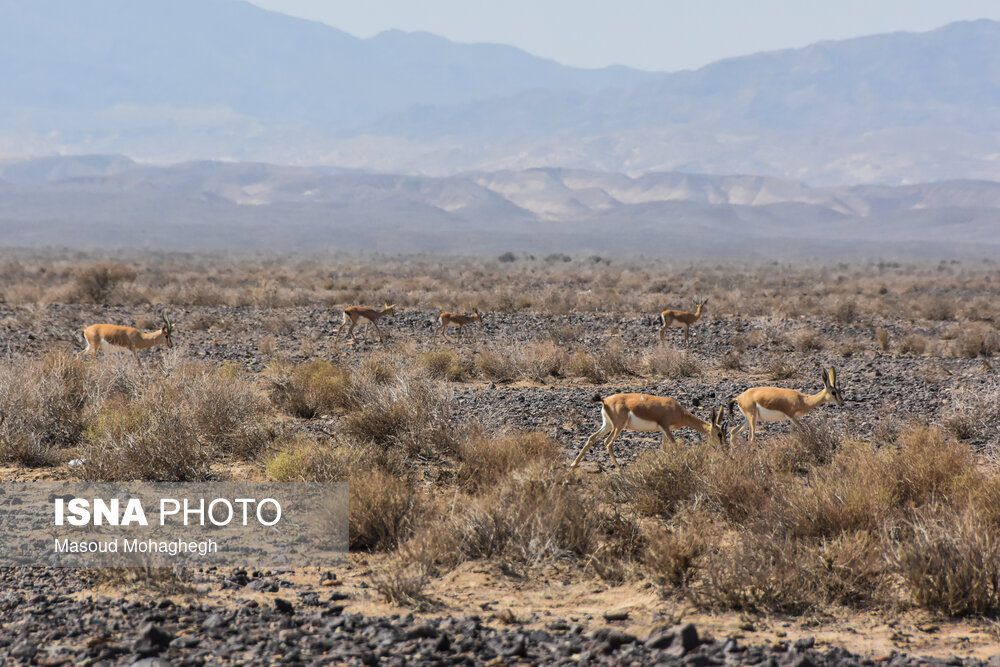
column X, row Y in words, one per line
column 221, row 79
column 112, row 201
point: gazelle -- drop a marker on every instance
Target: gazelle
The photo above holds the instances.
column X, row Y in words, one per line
column 773, row 404
column 126, row 338
column 644, row 412
column 455, row 320
column 680, row 318
column 365, row 315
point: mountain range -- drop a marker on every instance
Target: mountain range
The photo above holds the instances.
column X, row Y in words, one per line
column 179, row 80
column 111, row 201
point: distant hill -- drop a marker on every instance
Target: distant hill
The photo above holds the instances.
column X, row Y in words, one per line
column 178, row 80
column 111, row 201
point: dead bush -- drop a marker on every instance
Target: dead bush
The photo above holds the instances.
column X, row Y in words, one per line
column 914, row 344
column 673, row 554
column 404, row 584
column 882, row 338
column 583, row 365
column 228, row 411
column 310, row 389
column 444, row 364
column 950, row 563
column 383, row 510
column 665, row 361
column 808, row 341
column 850, row 569
column 483, row 461
column 660, row 482
column 498, row 367
column 977, row 339
column 95, row 283
column 544, row 361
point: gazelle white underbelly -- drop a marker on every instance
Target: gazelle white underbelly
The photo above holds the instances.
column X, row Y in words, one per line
column 363, row 320
column 638, row 424
column 770, row 415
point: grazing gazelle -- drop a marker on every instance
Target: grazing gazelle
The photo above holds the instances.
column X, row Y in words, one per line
column 644, row 412
column 126, row 338
column 455, row 320
column 773, row 404
column 356, row 314
column 680, row 318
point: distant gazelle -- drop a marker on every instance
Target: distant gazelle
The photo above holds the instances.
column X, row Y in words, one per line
column 366, row 316
column 644, row 412
column 680, row 318
column 773, row 404
column 455, row 320
column 126, row 338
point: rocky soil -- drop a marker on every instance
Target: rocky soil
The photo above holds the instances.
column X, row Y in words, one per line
column 50, row 617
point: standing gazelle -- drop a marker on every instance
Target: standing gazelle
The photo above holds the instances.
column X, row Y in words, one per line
column 680, row 318
column 366, row 316
column 773, row 404
column 126, row 338
column 644, row 412
column 455, row 320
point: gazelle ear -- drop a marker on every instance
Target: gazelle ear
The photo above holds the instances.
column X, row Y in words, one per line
column 833, row 377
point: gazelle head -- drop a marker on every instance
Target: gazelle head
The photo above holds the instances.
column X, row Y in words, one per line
column 475, row 312
column 389, row 310
column 717, row 429
column 831, row 387
column 167, row 330
column 701, row 304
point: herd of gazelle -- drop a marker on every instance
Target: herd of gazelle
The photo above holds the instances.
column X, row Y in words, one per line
column 619, row 412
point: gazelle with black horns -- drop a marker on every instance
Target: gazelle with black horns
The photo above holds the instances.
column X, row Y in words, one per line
column 459, row 320
column 366, row 316
column 776, row 404
column 126, row 338
column 681, row 318
column 645, row 412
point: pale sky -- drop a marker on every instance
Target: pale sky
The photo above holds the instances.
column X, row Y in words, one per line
column 663, row 35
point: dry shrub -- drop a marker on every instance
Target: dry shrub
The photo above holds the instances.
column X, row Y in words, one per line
column 403, row 584
column 278, row 324
column 498, row 367
column 151, row 439
column 936, row 308
column 444, row 364
column 914, row 344
column 229, row 413
column 583, row 365
column 383, row 509
column 757, row 573
column 411, row 413
column 535, row 516
column 950, row 562
column 310, row 389
column 882, row 338
column 95, row 283
column 42, row 402
column 544, row 361
column 668, row 362
column 732, row 361
column 930, row 466
column 660, row 482
column 850, row 569
column 780, row 368
column 803, row 448
column 483, row 461
column 973, row 415
column 808, row 341
column 857, row 491
column 566, row 334
column 303, row 459
column 614, row 359
column 977, row 339
column 673, row 554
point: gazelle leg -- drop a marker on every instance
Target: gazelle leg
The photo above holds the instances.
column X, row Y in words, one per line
column 663, row 330
column 610, row 444
column 605, row 427
column 752, row 421
column 686, row 332
column 667, row 436
column 378, row 331
column 350, row 331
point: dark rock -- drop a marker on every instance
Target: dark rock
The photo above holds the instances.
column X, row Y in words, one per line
column 152, row 639
column 283, row 606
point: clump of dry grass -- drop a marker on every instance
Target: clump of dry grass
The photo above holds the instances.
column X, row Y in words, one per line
column 544, row 361
column 882, row 338
column 668, row 362
column 310, row 389
column 498, row 366
column 444, row 364
column 808, row 341
column 914, row 344
column 950, row 562
column 383, row 508
column 483, row 461
column 96, row 283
